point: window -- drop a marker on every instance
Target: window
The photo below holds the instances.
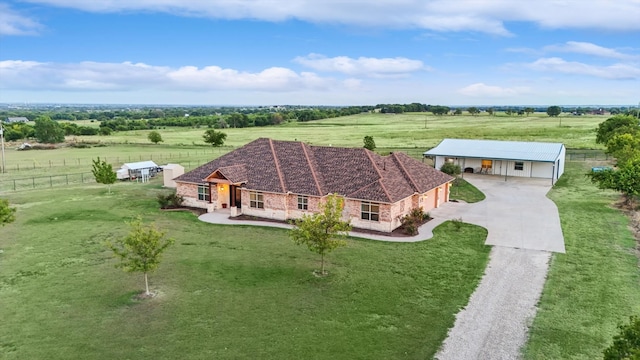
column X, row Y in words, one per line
column 203, row 193
column 256, row 200
column 519, row 165
column 370, row 211
column 303, row 202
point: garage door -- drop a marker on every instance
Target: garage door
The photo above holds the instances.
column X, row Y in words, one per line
column 541, row 170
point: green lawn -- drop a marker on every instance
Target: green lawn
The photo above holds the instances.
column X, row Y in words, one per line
column 463, row 190
column 224, row 292
column 594, row 286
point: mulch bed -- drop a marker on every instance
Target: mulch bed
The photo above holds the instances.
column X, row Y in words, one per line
column 397, row 233
column 195, row 211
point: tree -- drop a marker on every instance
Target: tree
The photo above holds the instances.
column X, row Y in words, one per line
column 215, row 138
column 450, row 168
column 615, row 125
column 320, row 231
column 625, row 179
column 624, row 147
column 154, row 137
column 369, row 143
column 103, row 172
column 473, row 110
column 6, row 212
column 554, row 110
column 490, row 111
column 528, row 110
column 626, row 344
column 48, row 131
column 457, row 112
column 141, row 250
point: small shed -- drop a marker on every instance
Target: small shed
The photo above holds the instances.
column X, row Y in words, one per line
column 506, row 158
column 170, row 172
column 141, row 169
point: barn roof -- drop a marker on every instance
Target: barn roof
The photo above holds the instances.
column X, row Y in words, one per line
column 493, row 149
column 299, row 168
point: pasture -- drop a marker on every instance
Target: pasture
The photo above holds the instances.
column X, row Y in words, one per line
column 239, row 292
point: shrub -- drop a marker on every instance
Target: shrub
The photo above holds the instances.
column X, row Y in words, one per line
column 170, row 201
column 626, row 344
column 457, row 223
column 450, row 168
column 413, row 220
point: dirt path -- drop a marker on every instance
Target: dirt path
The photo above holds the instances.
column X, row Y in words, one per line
column 494, row 324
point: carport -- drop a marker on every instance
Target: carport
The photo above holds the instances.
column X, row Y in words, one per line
column 506, row 158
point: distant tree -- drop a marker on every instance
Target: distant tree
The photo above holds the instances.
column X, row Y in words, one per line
column 626, row 344
column 451, row 169
column 6, row 212
column 48, row 131
column 320, row 231
column 215, row 138
column 490, row 111
column 529, row 110
column 473, row 110
column 616, row 125
column 154, row 137
column 103, row 172
column 554, row 110
column 369, row 143
column 457, row 112
column 439, row 109
column 509, row 112
column 141, row 250
column 104, row 131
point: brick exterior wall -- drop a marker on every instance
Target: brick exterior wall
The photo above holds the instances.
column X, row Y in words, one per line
column 189, row 192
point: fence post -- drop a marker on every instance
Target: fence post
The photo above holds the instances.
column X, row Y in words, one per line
column 50, row 181
column 49, row 163
column 33, row 182
column 64, row 161
column 82, row 178
column 67, row 177
column 14, row 184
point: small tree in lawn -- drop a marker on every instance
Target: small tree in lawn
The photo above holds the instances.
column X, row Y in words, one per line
column 140, row 251
column 369, row 143
column 6, row 212
column 155, row 137
column 215, row 138
column 103, row 172
column 321, row 231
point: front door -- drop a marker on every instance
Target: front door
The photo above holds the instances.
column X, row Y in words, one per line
column 235, row 198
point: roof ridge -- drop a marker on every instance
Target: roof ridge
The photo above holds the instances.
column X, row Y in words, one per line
column 366, row 151
column 311, row 167
column 406, row 173
column 275, row 160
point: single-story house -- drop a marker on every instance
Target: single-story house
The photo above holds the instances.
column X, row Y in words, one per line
column 141, row 169
column 13, row 120
column 508, row 158
column 285, row 179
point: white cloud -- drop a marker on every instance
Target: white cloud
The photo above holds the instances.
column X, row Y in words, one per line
column 558, row 65
column 14, row 23
column 362, row 66
column 489, row 91
column 589, row 49
column 127, row 76
column 485, row 16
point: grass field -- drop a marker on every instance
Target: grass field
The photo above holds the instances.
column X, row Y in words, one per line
column 224, row 292
column 411, row 130
column 595, row 285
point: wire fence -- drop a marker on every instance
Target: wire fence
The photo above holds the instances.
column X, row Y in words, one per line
column 40, row 182
column 588, row 156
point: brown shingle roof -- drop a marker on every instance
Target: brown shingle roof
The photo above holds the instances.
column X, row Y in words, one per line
column 288, row 166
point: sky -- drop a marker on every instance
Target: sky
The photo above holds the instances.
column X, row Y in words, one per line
column 328, row 52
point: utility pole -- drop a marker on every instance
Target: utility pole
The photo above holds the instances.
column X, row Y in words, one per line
column 4, row 166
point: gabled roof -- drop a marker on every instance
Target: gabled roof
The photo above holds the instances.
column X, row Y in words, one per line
column 139, row 165
column 19, row 119
column 292, row 166
column 501, row 150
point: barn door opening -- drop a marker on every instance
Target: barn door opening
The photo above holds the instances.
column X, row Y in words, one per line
column 487, row 166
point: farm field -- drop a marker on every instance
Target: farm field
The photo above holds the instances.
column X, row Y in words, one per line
column 225, row 292
column 410, row 130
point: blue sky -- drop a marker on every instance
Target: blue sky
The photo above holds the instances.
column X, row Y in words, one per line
column 330, row 52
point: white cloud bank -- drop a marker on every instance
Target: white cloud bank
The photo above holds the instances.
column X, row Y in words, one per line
column 489, row 91
column 14, row 23
column 362, row 66
column 589, row 49
column 96, row 76
column 485, row 16
column 617, row 71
